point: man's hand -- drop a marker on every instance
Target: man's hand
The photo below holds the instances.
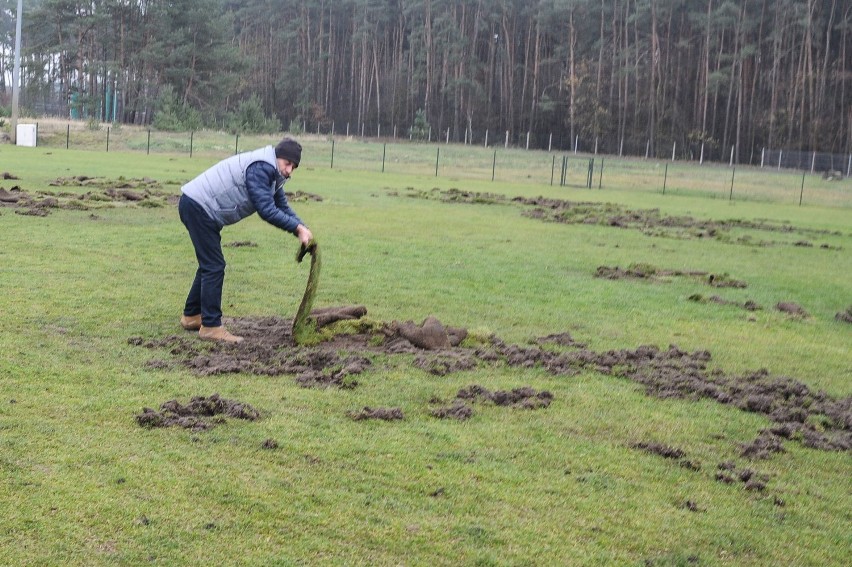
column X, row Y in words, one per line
column 304, row 234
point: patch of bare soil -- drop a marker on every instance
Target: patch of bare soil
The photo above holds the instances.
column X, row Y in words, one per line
column 199, row 414
column 241, row 244
column 653, row 273
column 143, row 192
column 796, row 412
column 748, row 304
column 667, row 452
column 650, row 221
column 844, row 316
column 384, row 414
column 791, row 308
column 298, row 196
column 7, row 175
column 728, row 473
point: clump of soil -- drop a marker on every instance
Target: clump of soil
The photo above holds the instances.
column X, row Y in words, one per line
column 748, row 304
column 430, row 334
column 728, row 473
column 798, row 414
column 520, row 398
column 303, row 196
column 7, row 175
column 458, row 410
column 384, row 414
column 199, row 414
column 523, row 398
column 242, row 244
column 724, row 280
column 269, row 444
column 664, row 451
column 653, row 273
column 791, row 308
column 667, row 452
column 844, row 316
column 766, row 444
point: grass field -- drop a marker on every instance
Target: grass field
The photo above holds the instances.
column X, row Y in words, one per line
column 82, row 484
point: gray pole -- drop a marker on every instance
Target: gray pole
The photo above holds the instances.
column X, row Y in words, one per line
column 16, row 73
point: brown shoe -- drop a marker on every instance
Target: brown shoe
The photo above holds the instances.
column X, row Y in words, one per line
column 217, row 334
column 191, row 322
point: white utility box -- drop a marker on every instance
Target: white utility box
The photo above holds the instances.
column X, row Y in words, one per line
column 26, row 135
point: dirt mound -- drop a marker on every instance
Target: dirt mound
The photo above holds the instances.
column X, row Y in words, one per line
column 384, row 414
column 796, row 412
column 300, row 196
column 791, row 309
column 748, row 304
column 519, row 398
column 7, row 175
column 845, row 316
column 653, row 273
column 199, row 414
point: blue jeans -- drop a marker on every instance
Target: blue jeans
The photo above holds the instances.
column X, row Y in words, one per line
column 205, row 295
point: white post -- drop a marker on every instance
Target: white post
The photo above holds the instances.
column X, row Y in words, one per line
column 332, row 128
column 506, row 143
column 849, row 167
column 394, row 131
column 621, row 147
column 596, row 145
column 762, row 156
column 780, row 153
column 430, row 133
column 16, row 73
column 701, row 159
column 486, row 137
column 732, row 156
column 674, row 150
column 362, row 129
column 379, row 130
column 550, row 142
column 648, row 149
column 347, row 129
column 576, row 142
column 813, row 162
column 448, row 134
column 528, row 139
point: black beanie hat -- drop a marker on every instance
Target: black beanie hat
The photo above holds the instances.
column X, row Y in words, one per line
column 289, row 149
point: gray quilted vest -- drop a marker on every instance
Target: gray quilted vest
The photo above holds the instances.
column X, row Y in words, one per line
column 221, row 190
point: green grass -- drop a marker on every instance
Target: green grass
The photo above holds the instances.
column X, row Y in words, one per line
column 82, row 484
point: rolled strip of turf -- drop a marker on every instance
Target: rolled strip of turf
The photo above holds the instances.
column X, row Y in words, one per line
column 305, row 328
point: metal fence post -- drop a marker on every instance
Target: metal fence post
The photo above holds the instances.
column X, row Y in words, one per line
column 665, row 178
column 107, row 147
column 733, row 172
column 552, row 167
column 332, row 153
column 494, row 165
